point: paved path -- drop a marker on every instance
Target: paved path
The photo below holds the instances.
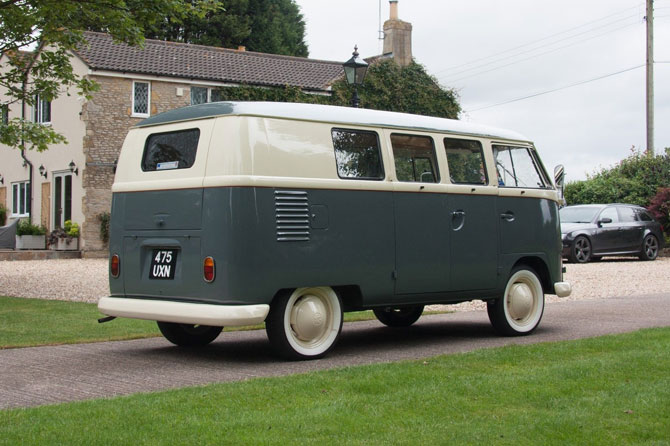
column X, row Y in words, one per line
column 47, row 375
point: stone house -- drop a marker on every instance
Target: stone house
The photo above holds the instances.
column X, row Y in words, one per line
column 73, row 181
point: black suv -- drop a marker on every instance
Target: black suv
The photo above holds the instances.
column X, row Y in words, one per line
column 591, row 231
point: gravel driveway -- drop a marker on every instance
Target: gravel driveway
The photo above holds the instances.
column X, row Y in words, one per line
column 85, row 280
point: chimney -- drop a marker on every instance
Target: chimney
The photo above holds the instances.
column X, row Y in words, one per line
column 241, row 48
column 398, row 37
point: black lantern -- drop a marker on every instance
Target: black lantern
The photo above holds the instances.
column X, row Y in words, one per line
column 73, row 168
column 42, row 171
column 355, row 69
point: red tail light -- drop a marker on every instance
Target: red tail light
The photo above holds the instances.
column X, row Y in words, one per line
column 115, row 266
column 208, row 269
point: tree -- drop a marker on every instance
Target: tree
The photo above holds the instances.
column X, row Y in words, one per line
column 266, row 26
column 387, row 86
column 53, row 28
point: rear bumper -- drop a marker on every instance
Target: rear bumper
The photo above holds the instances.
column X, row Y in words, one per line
column 562, row 289
column 184, row 312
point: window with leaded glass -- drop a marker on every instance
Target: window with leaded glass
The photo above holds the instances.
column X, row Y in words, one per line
column 141, row 101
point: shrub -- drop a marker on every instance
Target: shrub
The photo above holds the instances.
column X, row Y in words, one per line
column 104, row 226
column 3, row 215
column 69, row 231
column 660, row 207
column 633, row 180
column 25, row 227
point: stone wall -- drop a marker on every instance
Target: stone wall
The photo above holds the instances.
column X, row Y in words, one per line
column 108, row 118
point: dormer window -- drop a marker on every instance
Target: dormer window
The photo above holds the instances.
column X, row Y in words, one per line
column 42, row 110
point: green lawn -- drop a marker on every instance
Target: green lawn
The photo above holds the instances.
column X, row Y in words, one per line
column 33, row 322
column 613, row 390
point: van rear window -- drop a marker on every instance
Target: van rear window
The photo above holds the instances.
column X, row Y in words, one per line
column 170, row 150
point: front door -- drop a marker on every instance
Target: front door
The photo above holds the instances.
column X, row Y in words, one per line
column 62, row 195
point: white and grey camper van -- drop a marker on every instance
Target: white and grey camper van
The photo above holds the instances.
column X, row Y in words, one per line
column 229, row 214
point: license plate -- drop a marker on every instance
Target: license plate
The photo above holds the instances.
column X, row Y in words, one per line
column 163, row 264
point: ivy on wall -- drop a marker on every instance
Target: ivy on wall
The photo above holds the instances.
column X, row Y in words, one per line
column 387, row 86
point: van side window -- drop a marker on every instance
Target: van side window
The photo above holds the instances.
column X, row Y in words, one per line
column 516, row 167
column 170, row 150
column 466, row 161
column 357, row 154
column 415, row 158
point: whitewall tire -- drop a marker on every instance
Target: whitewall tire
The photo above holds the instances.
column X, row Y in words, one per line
column 306, row 323
column 520, row 309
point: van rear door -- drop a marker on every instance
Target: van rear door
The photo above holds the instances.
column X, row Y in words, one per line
column 158, row 203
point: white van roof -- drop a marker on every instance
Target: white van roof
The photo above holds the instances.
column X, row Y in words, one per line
column 329, row 114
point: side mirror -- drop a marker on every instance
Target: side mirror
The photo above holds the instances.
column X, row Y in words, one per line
column 559, row 181
column 604, row 221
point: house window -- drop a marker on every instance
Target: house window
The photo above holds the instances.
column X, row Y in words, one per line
column 21, row 199
column 141, row 99
column 42, row 110
column 202, row 95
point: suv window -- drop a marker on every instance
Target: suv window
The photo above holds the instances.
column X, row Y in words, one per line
column 517, row 167
column 609, row 213
column 170, row 150
column 465, row 159
column 357, row 154
column 644, row 215
column 415, row 158
column 627, row 215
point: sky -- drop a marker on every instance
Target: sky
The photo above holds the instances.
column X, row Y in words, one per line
column 494, row 51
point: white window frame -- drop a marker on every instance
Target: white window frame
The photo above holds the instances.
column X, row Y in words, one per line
column 148, row 113
column 210, row 90
column 38, row 111
column 16, row 207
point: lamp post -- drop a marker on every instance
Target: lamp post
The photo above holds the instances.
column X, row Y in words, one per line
column 355, row 69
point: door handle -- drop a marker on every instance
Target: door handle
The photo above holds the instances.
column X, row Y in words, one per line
column 507, row 216
column 458, row 213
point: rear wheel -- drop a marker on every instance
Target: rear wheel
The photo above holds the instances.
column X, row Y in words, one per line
column 304, row 324
column 520, row 309
column 398, row 317
column 581, row 250
column 187, row 335
column 649, row 248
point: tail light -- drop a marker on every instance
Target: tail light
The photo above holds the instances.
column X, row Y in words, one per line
column 115, row 266
column 208, row 269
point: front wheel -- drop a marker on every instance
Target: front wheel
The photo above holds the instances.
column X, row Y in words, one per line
column 581, row 250
column 649, row 248
column 187, row 335
column 305, row 323
column 520, row 309
column 398, row 317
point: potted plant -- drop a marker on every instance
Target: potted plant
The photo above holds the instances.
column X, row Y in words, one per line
column 65, row 238
column 30, row 236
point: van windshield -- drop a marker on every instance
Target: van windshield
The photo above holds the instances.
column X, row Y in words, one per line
column 170, row 150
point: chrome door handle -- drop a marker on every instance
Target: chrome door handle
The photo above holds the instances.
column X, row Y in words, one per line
column 508, row 216
column 458, row 213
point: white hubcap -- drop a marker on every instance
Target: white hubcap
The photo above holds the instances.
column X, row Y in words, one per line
column 520, row 301
column 309, row 317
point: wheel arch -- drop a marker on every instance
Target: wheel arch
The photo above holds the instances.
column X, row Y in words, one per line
column 350, row 295
column 542, row 270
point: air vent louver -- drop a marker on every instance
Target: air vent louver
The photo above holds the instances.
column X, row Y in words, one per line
column 292, row 216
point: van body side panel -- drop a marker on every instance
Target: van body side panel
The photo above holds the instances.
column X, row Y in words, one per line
column 473, row 224
column 422, row 243
column 529, row 227
column 349, row 241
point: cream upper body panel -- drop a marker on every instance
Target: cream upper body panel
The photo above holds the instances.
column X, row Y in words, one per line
column 254, row 146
